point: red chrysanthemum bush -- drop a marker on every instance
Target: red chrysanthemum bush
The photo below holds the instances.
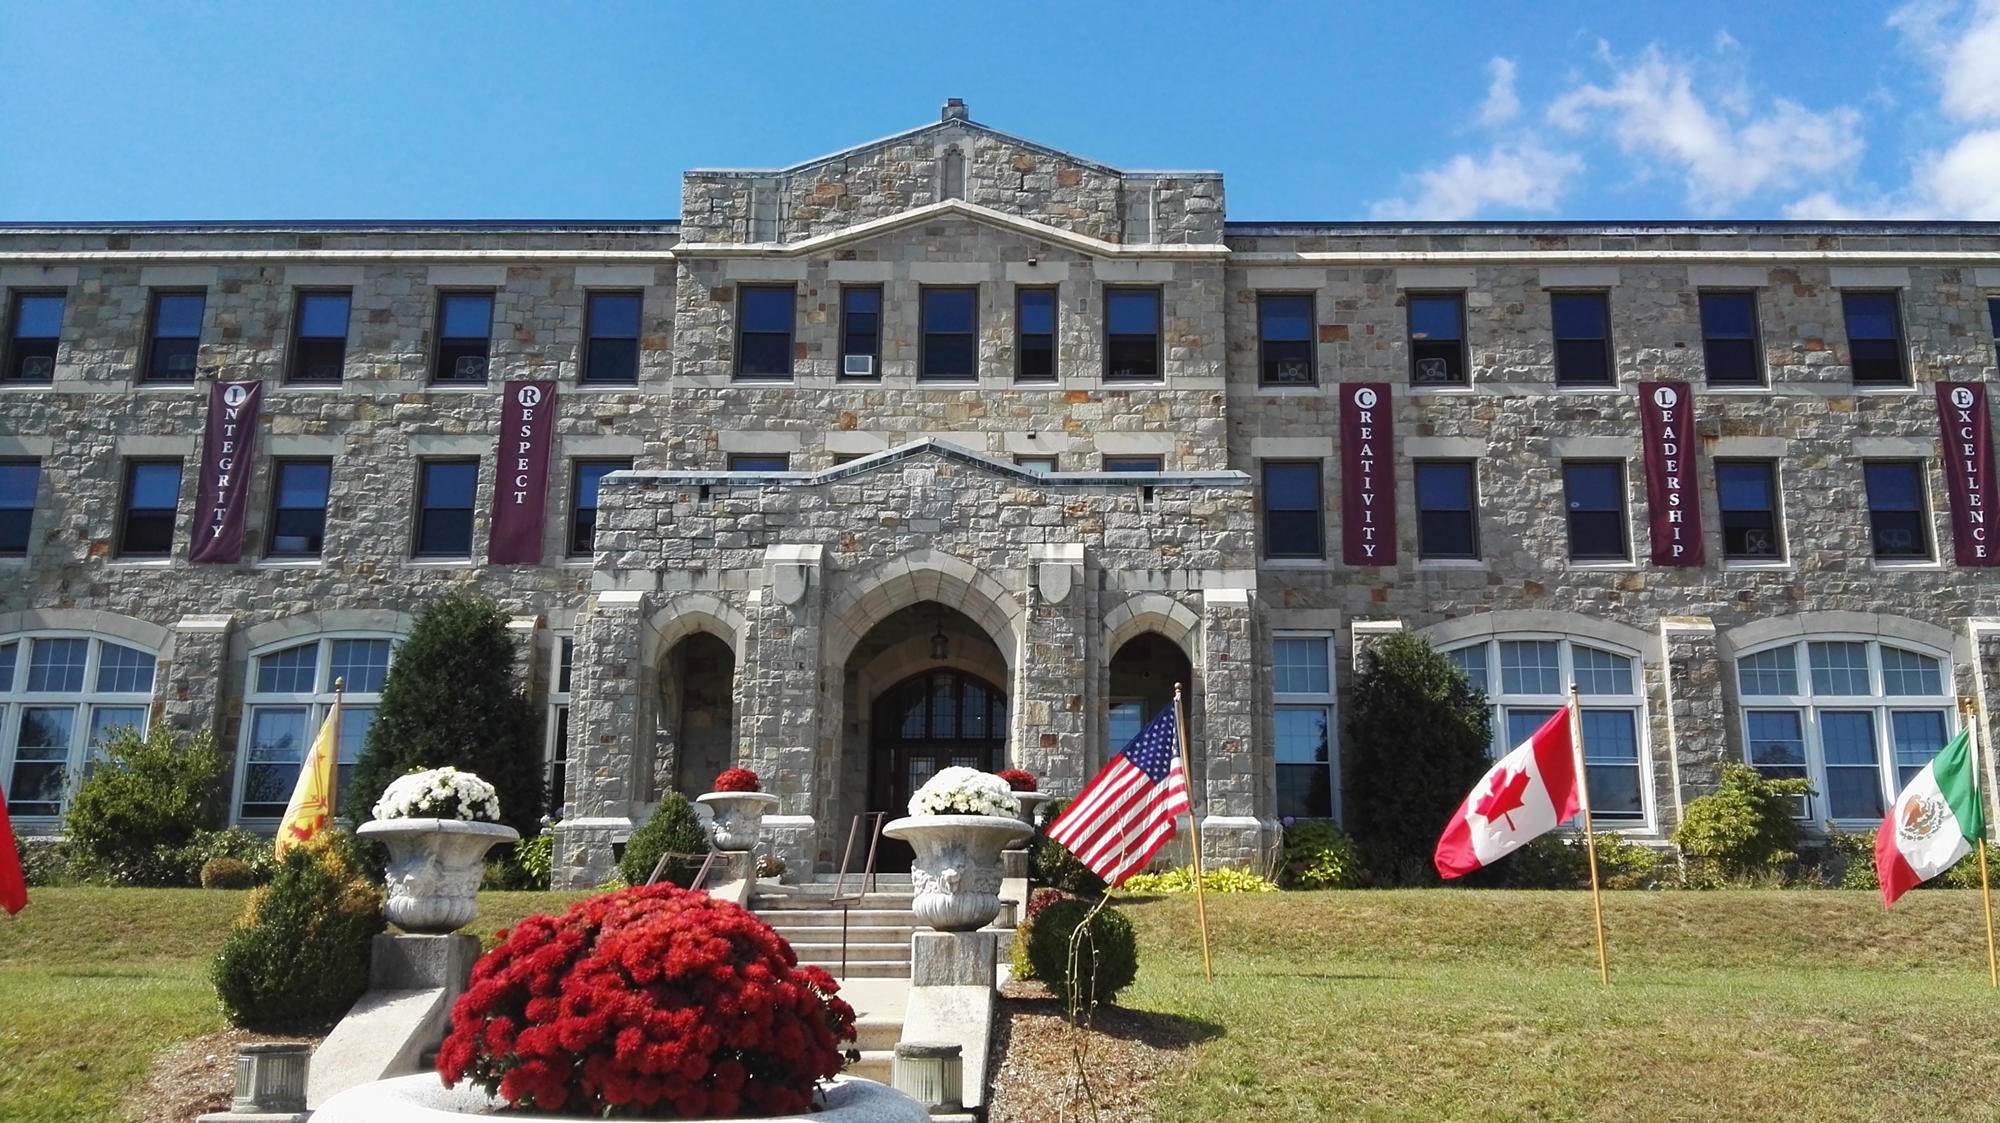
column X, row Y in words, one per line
column 656, row 1000
column 738, row 780
column 1018, row 779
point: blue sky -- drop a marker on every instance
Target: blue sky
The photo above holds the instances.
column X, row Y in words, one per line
column 1314, row 111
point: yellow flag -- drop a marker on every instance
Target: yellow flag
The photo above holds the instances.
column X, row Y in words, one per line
column 312, row 800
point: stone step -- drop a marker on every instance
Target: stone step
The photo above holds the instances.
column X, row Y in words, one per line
column 861, row 969
column 881, row 900
column 877, row 1033
column 856, row 953
column 830, row 918
column 798, row 934
column 875, row 1064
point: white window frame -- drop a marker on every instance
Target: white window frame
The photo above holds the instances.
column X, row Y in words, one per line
column 558, row 710
column 81, row 755
column 316, row 702
column 1312, row 700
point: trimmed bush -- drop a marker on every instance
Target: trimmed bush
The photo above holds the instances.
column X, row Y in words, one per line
column 1744, row 832
column 1180, row 879
column 45, row 862
column 1107, row 953
column 299, row 957
column 673, row 829
column 253, row 850
column 145, row 802
column 1051, row 863
column 227, row 873
column 1318, row 855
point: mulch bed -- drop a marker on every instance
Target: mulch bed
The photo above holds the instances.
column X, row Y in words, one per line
column 1123, row 1051
column 194, row 1077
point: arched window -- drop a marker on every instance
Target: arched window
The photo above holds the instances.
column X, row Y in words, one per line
column 1527, row 678
column 1857, row 717
column 291, row 688
column 61, row 698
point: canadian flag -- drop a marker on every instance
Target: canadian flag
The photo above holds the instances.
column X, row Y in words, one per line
column 1527, row 793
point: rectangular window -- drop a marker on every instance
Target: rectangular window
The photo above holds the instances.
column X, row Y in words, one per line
column 1299, row 666
column 41, row 758
column 1594, row 492
column 764, row 319
column 1748, row 496
column 444, row 508
column 1776, row 747
column 611, row 338
column 1611, row 763
column 1918, row 735
column 1304, row 752
column 1530, row 667
column 1035, row 334
column 583, row 503
column 319, row 337
column 465, row 336
column 278, row 740
column 176, row 336
column 1729, row 338
column 361, row 666
column 298, row 507
column 759, row 462
column 1437, row 338
column 1131, row 463
column 1446, row 522
column 1292, row 521
column 861, row 332
column 950, row 333
column 152, row 498
column 1040, row 465
column 1874, row 337
column 1993, row 317
column 1583, row 338
column 1896, row 517
column 19, row 480
column 33, row 334
column 1285, row 339
column 1839, row 667
column 1132, row 335
column 1853, row 767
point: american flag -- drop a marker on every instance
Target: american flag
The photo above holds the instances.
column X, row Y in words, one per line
column 1127, row 813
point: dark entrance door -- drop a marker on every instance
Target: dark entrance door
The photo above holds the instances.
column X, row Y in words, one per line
column 928, row 722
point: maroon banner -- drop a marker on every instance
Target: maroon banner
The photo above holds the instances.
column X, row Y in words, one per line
column 1673, row 498
column 1367, row 475
column 1968, row 470
column 225, row 473
column 521, row 478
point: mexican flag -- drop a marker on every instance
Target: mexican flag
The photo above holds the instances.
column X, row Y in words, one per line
column 1526, row 794
column 1933, row 823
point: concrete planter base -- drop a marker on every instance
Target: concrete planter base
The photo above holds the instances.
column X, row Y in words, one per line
column 424, row 1099
column 738, row 817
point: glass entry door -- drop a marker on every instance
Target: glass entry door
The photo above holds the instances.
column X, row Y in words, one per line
column 928, row 722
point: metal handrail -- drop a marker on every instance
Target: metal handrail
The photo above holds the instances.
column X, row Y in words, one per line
column 840, row 896
column 700, row 876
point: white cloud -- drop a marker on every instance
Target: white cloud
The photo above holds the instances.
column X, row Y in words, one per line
column 1517, row 175
column 1502, row 104
column 1967, row 54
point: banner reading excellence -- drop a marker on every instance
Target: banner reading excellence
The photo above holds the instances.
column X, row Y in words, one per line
column 1968, row 470
column 224, row 493
column 1367, row 475
column 521, row 484
column 1673, row 499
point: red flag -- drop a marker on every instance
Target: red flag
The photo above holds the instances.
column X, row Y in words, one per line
column 1124, row 815
column 13, row 885
column 1527, row 793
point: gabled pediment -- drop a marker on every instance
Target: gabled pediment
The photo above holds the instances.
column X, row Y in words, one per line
column 935, row 448
column 950, row 208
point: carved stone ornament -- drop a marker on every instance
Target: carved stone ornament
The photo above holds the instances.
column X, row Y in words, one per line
column 434, row 869
column 1054, row 580
column 957, row 871
column 789, row 581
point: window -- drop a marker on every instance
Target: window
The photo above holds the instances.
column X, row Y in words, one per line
column 764, row 331
column 1729, row 338
column 319, row 339
column 152, row 498
column 1874, row 337
column 1437, row 338
column 1040, row 465
column 61, row 698
column 1583, row 338
column 1132, row 335
column 444, row 508
column 1446, row 522
column 1897, row 521
column 1749, row 502
column 1302, row 685
column 1534, row 678
column 759, row 462
column 950, row 332
column 298, row 508
column 1861, row 721
column 1594, row 492
column 1131, row 463
column 611, row 338
column 1284, row 339
column 558, row 736
column 19, row 480
column 583, row 503
column 176, row 336
column 291, row 690
column 465, row 336
column 1993, row 318
column 34, row 332
column 861, row 332
column 1292, row 519
column 1035, row 334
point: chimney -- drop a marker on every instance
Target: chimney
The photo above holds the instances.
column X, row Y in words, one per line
column 954, row 109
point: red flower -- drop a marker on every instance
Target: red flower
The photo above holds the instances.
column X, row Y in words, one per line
column 738, row 780
column 1019, row 779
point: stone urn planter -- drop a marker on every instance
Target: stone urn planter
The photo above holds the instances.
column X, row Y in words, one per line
column 1031, row 803
column 957, row 871
column 738, row 817
column 422, row 1099
column 434, row 869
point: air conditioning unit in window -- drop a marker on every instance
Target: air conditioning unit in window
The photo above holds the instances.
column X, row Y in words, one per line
column 470, row 366
column 38, row 367
column 858, row 366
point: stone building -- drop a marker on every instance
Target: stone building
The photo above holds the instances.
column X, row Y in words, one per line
column 956, row 448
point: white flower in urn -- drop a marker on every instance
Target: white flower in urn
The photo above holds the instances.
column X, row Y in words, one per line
column 439, row 793
column 965, row 791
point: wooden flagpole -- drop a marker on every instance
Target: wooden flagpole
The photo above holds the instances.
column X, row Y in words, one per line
column 1968, row 712
column 1194, row 831
column 1589, row 837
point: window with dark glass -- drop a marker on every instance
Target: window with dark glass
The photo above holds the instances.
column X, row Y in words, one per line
column 759, row 462
column 1437, row 338
column 950, row 333
column 1874, row 336
column 1993, row 317
column 18, row 481
column 861, row 332
column 583, row 503
column 764, row 318
column 1284, row 339
column 1594, row 492
column 298, row 507
column 1035, row 345
column 152, row 498
column 1748, row 496
column 1131, row 463
column 1132, row 335
column 444, row 508
column 465, row 336
column 1896, row 518
column 1583, row 337
column 1302, row 685
column 319, row 342
column 176, row 337
column 1447, row 525
column 1292, row 520
column 1729, row 338
column 33, row 334
column 611, row 335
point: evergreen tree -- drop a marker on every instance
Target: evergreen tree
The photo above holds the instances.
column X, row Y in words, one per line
column 1418, row 738
column 451, row 699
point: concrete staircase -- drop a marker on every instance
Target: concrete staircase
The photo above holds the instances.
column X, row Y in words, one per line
column 876, row 977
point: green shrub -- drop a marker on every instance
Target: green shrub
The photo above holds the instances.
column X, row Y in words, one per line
column 45, row 862
column 253, row 850
column 1017, row 954
column 1744, row 832
column 524, row 866
column 299, row 957
column 1853, row 860
column 1051, row 863
column 143, row 803
column 1106, row 959
column 1560, row 862
column 673, row 829
column 1318, row 855
column 227, row 873
column 1180, row 879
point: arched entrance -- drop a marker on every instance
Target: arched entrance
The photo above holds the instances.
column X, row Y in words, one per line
column 697, row 712
column 1143, row 674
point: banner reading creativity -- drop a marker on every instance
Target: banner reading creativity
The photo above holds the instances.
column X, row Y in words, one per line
column 521, row 477
column 1367, row 475
column 225, row 473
